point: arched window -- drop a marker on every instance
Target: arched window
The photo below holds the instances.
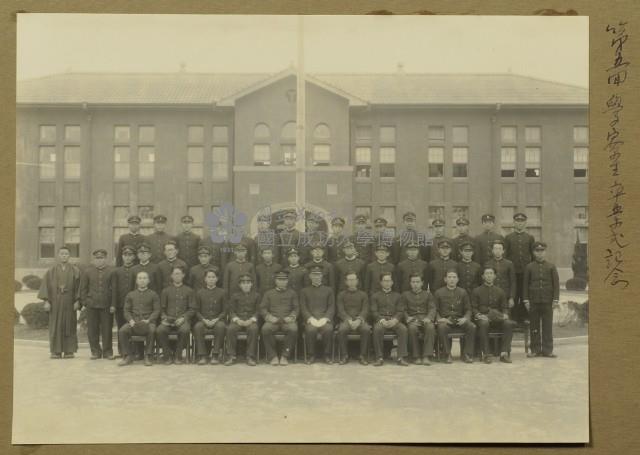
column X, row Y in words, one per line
column 288, row 144
column 261, row 145
column 322, row 145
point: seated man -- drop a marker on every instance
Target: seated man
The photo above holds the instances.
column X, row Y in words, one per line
column 279, row 308
column 491, row 310
column 210, row 304
column 419, row 312
column 453, row 311
column 141, row 310
column 317, row 304
column 353, row 309
column 176, row 303
column 387, row 311
column 243, row 313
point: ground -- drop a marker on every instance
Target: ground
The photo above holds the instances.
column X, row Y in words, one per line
column 80, row 401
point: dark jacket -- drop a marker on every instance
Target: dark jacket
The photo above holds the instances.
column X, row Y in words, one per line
column 452, row 303
column 541, row 283
column 318, row 302
column 386, row 305
column 95, row 287
column 244, row 306
column 280, row 303
column 352, row 305
column 210, row 303
column 176, row 302
column 142, row 305
column 419, row 304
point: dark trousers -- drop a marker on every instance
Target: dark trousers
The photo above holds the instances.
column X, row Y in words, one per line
column 429, row 331
column 519, row 312
column 120, row 322
column 141, row 329
column 364, row 330
column 541, row 316
column 268, row 335
column 378, row 339
column 218, row 331
column 311, row 335
column 162, row 335
column 505, row 326
column 252, row 339
column 99, row 326
column 469, row 330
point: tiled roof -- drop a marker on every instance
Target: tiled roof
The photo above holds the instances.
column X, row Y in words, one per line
column 208, row 88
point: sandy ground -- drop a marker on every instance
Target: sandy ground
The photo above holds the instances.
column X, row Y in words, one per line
column 83, row 401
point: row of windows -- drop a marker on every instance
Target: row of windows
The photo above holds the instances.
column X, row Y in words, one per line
column 321, row 151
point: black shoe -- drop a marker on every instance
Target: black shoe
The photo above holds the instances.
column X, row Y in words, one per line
column 402, row 362
column 251, row 362
column 343, row 361
column 230, row 361
column 274, row 361
column 202, row 360
column 126, row 360
column 362, row 361
column 417, row 361
column 109, row 357
column 467, row 359
column 68, row 355
column 426, row 361
column 488, row 359
column 56, row 355
column 378, row 363
column 310, row 360
column 168, row 360
column 284, row 361
column 147, row 361
column 533, row 354
column 328, row 361
column 505, row 359
column 449, row 359
column 95, row 356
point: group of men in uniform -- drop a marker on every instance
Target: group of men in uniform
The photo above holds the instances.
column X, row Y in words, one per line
column 370, row 284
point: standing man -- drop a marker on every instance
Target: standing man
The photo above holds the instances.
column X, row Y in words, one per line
column 350, row 263
column 431, row 251
column 266, row 238
column 381, row 237
column 171, row 261
column 196, row 273
column 484, row 241
column 60, row 290
column 518, row 249
column 313, row 238
column 419, row 313
column 408, row 236
column 210, row 306
column 317, row 304
column 387, row 312
column 297, row 275
column 410, row 266
column 266, row 270
column 280, row 308
column 122, row 282
column 336, row 240
column 95, row 296
column 505, row 272
column 469, row 271
column 317, row 260
column 158, row 238
column 249, row 244
column 462, row 226
column 541, row 292
column 141, row 310
column 438, row 267
column 145, row 265
column 353, row 311
column 133, row 238
column 491, row 311
column 187, row 242
column 239, row 266
column 453, row 310
column 362, row 239
column 289, row 237
column 375, row 270
column 244, row 307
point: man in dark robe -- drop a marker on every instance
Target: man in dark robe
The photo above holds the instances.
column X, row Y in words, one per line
column 60, row 291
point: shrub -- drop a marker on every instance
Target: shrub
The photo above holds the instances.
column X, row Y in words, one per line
column 576, row 284
column 17, row 286
column 33, row 282
column 35, row 315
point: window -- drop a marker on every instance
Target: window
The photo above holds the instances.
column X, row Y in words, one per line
column 121, row 162
column 220, row 134
column 47, row 241
column 322, row 132
column 289, row 132
column 72, row 216
column 47, row 216
column 389, row 214
column 460, row 161
column 436, row 161
column 261, row 155
column 220, row 157
column 254, row 189
column 71, row 162
column 388, row 134
column 195, row 163
column 509, row 134
column 72, row 133
column 580, row 161
column 506, row 214
column 332, row 189
column 121, row 134
column 532, row 161
column 366, row 211
column 508, row 162
column 534, row 215
column 288, row 154
column 261, row 131
column 146, row 159
column 460, row 134
column 581, row 134
column 436, row 134
column 459, row 212
column 146, row 134
column 197, row 212
column 582, row 234
column 195, row 134
column 436, row 212
column 120, row 215
column 363, row 162
column 387, row 161
column 363, row 133
column 47, row 163
column 48, row 133
column 532, row 134
column 321, row 154
column 145, row 212
column 71, row 230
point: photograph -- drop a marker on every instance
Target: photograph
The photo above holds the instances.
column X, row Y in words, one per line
column 301, row 229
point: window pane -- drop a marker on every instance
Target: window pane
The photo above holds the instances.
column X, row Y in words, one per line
column 460, row 155
column 581, row 134
column 47, row 242
column 262, row 154
column 146, row 158
column 197, row 213
column 261, row 131
column 47, row 162
column 366, row 211
column 436, row 133
column 47, row 133
column 581, row 214
column 363, row 132
column 47, row 216
column 436, row 212
column 508, row 134
column 436, row 155
column 288, row 154
column 146, row 134
column 580, row 161
column 322, row 132
column 436, row 170
column 221, row 134
column 459, row 212
column 508, row 161
column 72, row 133
column 122, row 160
column 363, row 155
column 332, row 189
column 532, row 134
column 220, row 156
column 120, row 215
column 389, row 214
column 460, row 170
column 72, row 216
column 532, row 162
column 72, row 162
column 387, row 155
column 387, row 170
column 121, row 134
column 145, row 212
column 582, row 234
column 72, row 240
column 506, row 214
column 195, row 154
column 387, row 134
column 321, row 154
column 195, row 134
column 460, row 134
column 534, row 214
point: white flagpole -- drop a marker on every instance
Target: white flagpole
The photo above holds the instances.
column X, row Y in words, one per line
column 300, row 130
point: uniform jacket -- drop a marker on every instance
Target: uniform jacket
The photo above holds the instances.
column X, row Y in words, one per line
column 165, row 268
column 297, row 277
column 232, row 275
column 176, row 302
column 318, row 302
column 345, row 266
column 419, row 304
column 505, row 276
column 438, row 271
column 541, row 283
column 244, row 306
column 518, row 247
column 328, row 273
column 210, row 303
column 386, row 305
column 484, row 244
column 95, row 287
column 352, row 305
column 469, row 275
column 155, row 278
column 280, row 303
column 188, row 244
column 157, row 241
column 406, row 268
column 122, row 282
column 128, row 239
column 265, row 276
column 142, row 305
column 452, row 303
column 485, row 298
column 372, row 276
